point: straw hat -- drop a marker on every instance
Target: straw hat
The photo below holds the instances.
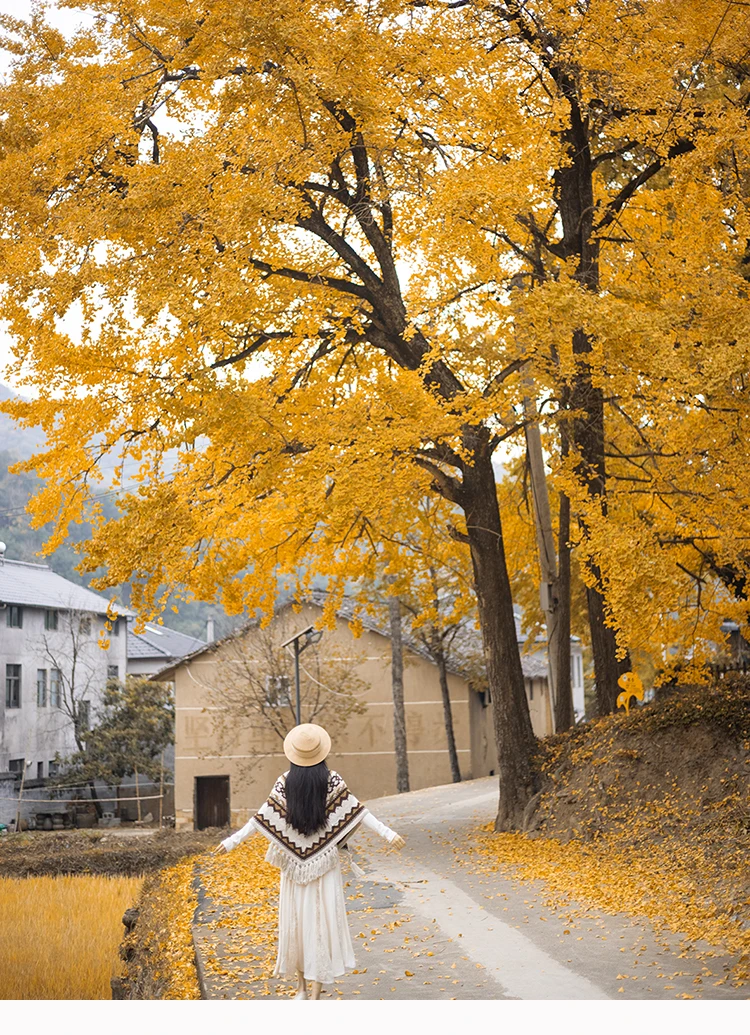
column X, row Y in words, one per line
column 307, row 744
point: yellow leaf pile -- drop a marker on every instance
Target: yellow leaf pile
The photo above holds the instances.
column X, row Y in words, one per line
column 662, row 885
column 243, row 890
column 162, row 965
column 647, row 815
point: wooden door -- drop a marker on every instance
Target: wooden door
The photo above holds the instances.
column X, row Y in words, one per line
column 211, row 801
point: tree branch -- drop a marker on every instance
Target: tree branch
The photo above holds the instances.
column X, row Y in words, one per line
column 322, row 279
column 620, row 200
column 254, row 346
column 448, row 487
column 504, row 374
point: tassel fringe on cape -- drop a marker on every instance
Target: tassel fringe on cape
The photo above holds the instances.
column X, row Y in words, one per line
column 305, row 858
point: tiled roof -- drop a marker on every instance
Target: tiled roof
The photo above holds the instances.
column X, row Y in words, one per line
column 36, row 585
column 534, row 664
column 157, row 641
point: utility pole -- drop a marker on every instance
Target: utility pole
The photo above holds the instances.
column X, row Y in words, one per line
column 298, row 699
column 549, row 587
column 20, row 792
column 161, row 791
column 310, row 635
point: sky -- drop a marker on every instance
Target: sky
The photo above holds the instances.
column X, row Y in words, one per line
column 66, row 21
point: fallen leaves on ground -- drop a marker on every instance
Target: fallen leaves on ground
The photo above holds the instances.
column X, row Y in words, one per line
column 664, row 883
column 162, row 964
column 243, row 892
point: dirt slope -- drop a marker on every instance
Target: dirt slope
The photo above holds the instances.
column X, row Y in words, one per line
column 673, row 773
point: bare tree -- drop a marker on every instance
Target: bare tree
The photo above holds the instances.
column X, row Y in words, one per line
column 254, row 686
column 76, row 678
column 438, row 642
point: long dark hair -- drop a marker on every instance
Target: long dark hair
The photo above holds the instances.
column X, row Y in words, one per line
column 306, row 792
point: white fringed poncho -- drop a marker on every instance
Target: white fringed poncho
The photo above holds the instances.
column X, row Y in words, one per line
column 305, row 858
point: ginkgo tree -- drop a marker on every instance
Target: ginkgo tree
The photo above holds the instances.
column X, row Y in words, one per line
column 277, row 241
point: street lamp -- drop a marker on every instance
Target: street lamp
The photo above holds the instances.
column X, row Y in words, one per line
column 309, row 635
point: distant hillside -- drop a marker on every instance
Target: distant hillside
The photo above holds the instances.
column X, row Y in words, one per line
column 25, row 543
column 21, row 442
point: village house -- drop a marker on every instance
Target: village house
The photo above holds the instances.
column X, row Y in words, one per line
column 149, row 651
column 53, row 666
column 224, row 767
column 157, row 646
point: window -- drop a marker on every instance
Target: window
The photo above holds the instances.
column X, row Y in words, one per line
column 55, row 682
column 16, row 765
column 40, row 770
column 41, row 687
column 84, row 625
column 113, row 672
column 50, row 620
column 116, row 627
column 84, row 714
column 14, row 617
column 52, row 767
column 278, row 692
column 12, row 686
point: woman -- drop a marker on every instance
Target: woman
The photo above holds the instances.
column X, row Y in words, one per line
column 308, row 816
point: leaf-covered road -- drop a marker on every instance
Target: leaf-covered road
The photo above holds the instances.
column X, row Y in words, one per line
column 439, row 921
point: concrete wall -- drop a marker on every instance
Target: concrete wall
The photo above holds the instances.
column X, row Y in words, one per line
column 37, row 733
column 576, row 678
column 362, row 753
column 8, row 798
column 145, row 666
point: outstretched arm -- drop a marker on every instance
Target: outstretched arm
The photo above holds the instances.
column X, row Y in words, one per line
column 371, row 823
column 237, row 838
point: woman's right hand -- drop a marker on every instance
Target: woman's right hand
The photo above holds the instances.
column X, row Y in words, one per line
column 219, row 850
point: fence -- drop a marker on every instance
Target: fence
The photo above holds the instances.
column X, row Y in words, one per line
column 17, row 803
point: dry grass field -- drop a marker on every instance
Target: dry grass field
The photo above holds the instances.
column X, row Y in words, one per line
column 59, row 935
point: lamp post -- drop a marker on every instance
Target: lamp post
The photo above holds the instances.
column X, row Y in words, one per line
column 310, row 635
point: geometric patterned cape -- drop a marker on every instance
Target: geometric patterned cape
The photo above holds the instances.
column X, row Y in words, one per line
column 305, row 858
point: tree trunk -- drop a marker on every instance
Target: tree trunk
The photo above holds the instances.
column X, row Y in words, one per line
column 95, row 799
column 397, row 688
column 575, row 196
column 514, row 736
column 564, row 714
column 81, row 747
column 439, row 655
column 607, row 667
column 588, row 433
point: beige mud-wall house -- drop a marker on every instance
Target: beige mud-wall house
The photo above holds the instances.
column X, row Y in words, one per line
column 217, row 785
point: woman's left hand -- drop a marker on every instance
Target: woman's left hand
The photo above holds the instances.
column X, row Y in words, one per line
column 219, row 850
column 398, row 842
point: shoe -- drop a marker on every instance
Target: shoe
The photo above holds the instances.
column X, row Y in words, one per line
column 301, row 994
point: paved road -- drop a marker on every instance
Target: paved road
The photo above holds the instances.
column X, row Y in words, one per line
column 428, row 926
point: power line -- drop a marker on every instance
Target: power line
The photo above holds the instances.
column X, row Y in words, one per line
column 96, row 496
column 79, row 801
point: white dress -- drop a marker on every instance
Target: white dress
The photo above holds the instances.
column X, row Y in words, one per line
column 314, row 932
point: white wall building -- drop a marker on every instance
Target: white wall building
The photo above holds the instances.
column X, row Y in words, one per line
column 51, row 663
